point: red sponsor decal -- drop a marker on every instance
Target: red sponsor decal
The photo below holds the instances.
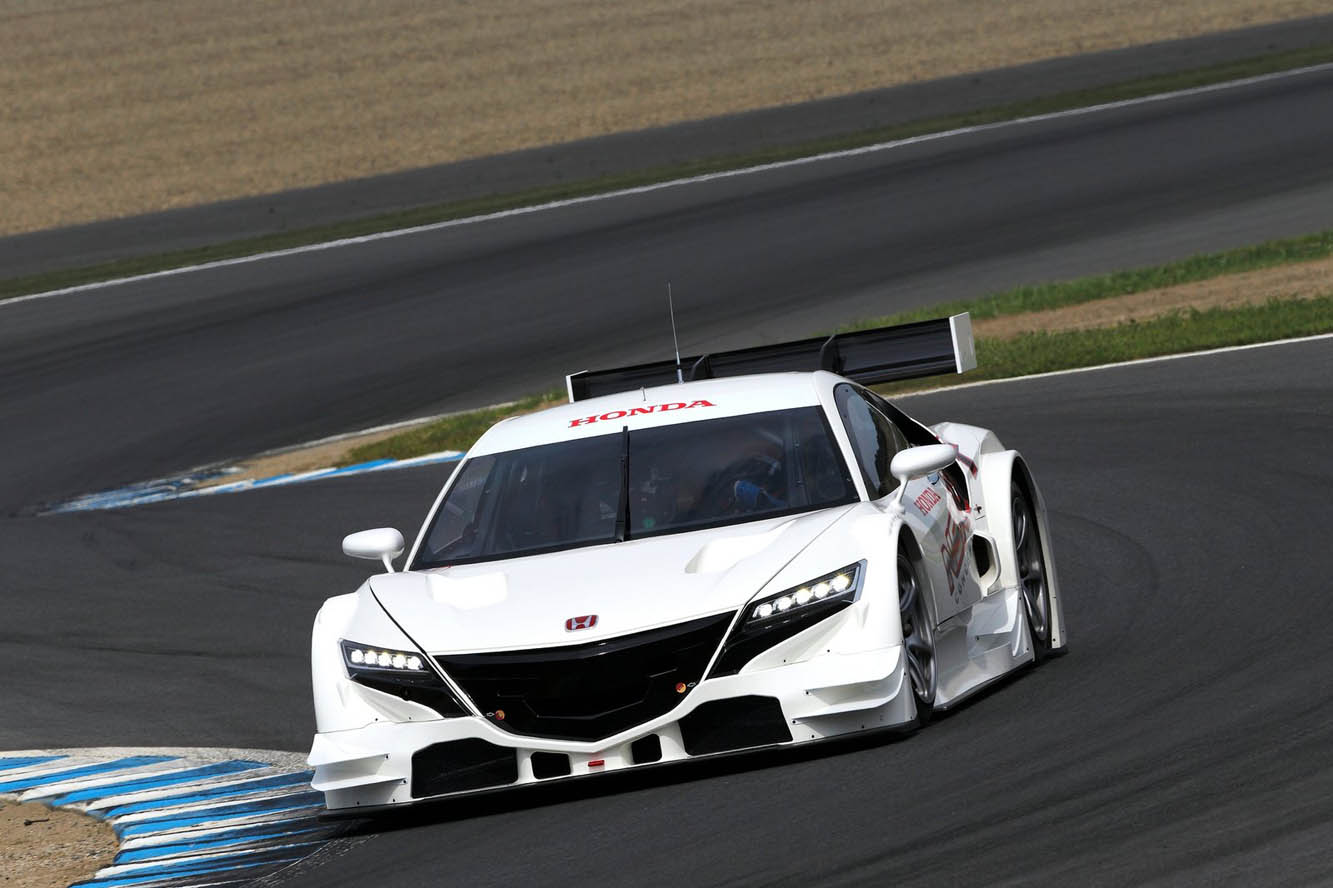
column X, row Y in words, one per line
column 954, row 553
column 587, row 621
column 928, row 500
column 639, row 411
column 972, row 466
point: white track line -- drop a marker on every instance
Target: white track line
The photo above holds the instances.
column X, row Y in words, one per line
column 1173, row 357
column 676, row 183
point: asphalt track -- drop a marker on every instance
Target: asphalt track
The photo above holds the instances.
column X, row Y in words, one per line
column 120, row 384
column 1185, row 740
column 661, row 147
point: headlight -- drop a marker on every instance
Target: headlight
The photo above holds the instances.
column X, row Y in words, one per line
column 367, row 657
column 405, row 674
column 841, row 585
column 776, row 618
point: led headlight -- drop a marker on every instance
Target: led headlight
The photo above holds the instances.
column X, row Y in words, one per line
column 841, row 585
column 362, row 656
column 405, row 674
column 776, row 618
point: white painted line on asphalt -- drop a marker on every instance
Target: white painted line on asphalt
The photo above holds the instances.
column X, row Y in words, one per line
column 676, row 183
column 220, row 827
column 222, row 807
column 125, row 775
column 1174, row 357
column 218, row 781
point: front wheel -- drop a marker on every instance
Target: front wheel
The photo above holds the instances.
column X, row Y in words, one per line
column 918, row 638
column 1031, row 571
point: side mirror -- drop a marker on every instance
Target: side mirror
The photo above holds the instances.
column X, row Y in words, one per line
column 381, row 543
column 917, row 461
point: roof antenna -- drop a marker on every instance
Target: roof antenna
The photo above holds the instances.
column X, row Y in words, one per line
column 680, row 374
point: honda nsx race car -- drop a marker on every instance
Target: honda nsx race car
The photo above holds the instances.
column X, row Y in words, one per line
column 695, row 557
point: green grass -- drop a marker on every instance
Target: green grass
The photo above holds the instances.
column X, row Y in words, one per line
column 1121, row 283
column 1185, row 331
column 426, row 215
column 456, row 432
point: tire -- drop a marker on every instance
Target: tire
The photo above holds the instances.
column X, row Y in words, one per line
column 1030, row 557
column 918, row 638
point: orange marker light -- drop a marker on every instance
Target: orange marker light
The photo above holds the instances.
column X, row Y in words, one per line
column 680, row 687
column 499, row 715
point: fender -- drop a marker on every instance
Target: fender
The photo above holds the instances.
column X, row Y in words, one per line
column 923, row 576
column 339, row 704
column 996, row 472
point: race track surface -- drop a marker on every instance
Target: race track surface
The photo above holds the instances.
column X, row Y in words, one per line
column 120, row 384
column 651, row 149
column 1184, row 740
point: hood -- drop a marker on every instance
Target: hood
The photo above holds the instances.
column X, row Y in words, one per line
column 631, row 586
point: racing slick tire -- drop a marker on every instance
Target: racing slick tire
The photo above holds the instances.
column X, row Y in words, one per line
column 918, row 638
column 1030, row 557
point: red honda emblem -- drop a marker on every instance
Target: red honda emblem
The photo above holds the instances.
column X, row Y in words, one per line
column 584, row 622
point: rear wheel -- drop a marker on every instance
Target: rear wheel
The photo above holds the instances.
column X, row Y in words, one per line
column 918, row 638
column 1031, row 571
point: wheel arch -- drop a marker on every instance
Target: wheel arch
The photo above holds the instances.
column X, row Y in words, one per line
column 902, row 537
column 998, row 471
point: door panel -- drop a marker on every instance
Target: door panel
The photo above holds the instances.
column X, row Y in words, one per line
column 946, row 544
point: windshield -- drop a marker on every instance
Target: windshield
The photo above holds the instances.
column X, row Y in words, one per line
column 629, row 485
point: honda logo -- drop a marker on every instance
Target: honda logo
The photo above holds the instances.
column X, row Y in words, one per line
column 584, row 622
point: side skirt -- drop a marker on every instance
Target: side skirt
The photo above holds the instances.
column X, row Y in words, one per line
column 980, row 646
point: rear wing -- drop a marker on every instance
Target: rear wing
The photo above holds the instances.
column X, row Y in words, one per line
column 884, row 354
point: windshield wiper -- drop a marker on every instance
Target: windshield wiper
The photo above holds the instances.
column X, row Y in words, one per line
column 622, row 508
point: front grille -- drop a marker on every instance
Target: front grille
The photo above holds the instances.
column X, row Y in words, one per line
column 589, row 691
column 459, row 765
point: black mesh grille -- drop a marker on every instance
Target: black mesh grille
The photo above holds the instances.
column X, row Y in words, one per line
column 461, row 765
column 589, row 691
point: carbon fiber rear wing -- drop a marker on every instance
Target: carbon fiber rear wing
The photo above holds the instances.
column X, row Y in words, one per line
column 884, row 354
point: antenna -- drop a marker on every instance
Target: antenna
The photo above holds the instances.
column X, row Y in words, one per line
column 671, row 307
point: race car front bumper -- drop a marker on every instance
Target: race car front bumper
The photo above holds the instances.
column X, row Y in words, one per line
column 394, row 762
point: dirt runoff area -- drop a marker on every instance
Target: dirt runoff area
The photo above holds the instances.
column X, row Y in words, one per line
column 110, row 109
column 41, row 847
column 1305, row 280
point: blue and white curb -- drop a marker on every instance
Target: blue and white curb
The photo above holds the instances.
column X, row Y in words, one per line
column 182, row 817
column 186, row 486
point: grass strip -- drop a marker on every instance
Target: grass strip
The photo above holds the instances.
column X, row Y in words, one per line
column 1174, row 333
column 455, row 432
column 1138, row 88
column 1043, row 297
column 1041, row 352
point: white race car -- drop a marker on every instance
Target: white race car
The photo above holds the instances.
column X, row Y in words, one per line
column 665, row 569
